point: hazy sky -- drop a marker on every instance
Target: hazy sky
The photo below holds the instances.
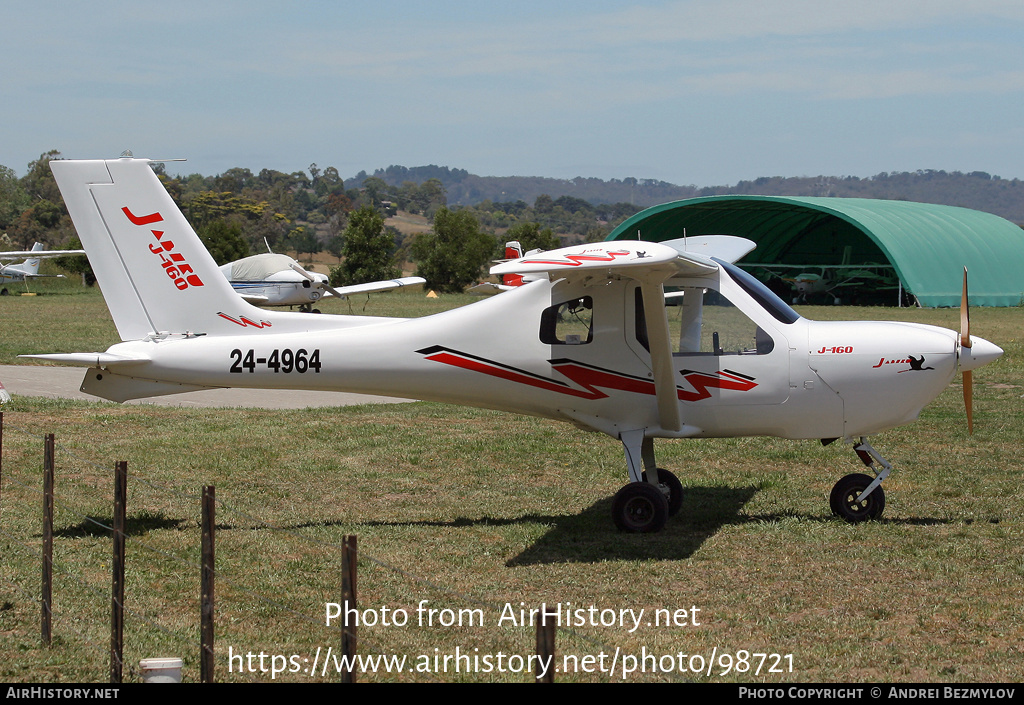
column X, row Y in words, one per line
column 701, row 92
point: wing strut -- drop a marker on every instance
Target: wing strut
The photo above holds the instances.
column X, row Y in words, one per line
column 659, row 339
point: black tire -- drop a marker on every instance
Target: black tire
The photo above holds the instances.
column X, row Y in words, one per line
column 640, row 508
column 844, row 496
column 667, row 481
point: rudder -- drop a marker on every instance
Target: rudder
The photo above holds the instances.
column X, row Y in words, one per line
column 155, row 273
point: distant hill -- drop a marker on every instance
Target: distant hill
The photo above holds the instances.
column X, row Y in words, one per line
column 977, row 190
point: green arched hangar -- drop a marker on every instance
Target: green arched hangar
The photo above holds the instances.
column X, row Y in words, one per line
column 855, row 250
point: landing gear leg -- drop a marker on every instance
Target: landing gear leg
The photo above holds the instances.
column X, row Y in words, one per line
column 653, row 495
column 857, row 497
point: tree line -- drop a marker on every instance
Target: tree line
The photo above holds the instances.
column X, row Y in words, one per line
column 239, row 212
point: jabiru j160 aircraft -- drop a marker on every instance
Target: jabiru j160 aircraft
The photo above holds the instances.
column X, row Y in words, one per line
column 588, row 341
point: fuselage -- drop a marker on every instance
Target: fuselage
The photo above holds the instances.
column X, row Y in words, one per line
column 17, row 272
column 283, row 290
column 797, row 379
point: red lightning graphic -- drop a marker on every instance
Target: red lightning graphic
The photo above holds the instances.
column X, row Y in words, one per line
column 244, row 322
column 577, row 260
column 591, row 379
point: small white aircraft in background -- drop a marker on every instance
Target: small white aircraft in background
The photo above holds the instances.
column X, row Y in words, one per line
column 29, row 269
column 587, row 342
column 271, row 279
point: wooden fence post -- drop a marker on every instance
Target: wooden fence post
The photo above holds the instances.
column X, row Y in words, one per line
column 349, row 557
column 1, row 447
column 47, row 587
column 545, row 625
column 117, row 572
column 206, row 674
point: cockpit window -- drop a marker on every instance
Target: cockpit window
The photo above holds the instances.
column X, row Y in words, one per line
column 771, row 303
column 568, row 323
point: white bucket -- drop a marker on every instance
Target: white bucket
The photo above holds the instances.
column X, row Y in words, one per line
column 160, row 670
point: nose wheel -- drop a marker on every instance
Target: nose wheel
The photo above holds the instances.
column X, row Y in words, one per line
column 858, row 497
column 846, row 501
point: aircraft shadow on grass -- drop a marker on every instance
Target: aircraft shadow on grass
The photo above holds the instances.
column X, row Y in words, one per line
column 586, row 537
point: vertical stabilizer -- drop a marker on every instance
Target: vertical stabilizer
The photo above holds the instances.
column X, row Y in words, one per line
column 513, row 250
column 31, row 265
column 155, row 273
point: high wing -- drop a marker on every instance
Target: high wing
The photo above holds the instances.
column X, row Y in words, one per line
column 29, row 268
column 650, row 264
column 682, row 257
column 370, row 287
column 366, row 288
column 38, row 254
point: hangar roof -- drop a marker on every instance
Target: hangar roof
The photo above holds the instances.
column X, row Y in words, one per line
column 927, row 244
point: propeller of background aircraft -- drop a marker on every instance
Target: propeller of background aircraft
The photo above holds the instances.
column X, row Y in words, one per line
column 316, row 283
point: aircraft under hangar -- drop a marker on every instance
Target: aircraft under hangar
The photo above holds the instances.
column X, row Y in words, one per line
column 854, row 250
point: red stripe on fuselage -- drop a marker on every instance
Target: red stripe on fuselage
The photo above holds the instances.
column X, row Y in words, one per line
column 591, row 378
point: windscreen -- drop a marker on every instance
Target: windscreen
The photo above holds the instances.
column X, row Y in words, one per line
column 771, row 303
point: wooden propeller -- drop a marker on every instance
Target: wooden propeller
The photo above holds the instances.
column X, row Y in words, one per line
column 965, row 343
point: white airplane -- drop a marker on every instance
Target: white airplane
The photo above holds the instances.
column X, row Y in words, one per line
column 29, row 269
column 589, row 342
column 271, row 279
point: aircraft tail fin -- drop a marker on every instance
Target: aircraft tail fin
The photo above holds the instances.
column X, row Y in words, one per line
column 31, row 266
column 513, row 250
column 155, row 273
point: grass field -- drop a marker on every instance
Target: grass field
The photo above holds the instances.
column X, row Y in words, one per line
column 476, row 510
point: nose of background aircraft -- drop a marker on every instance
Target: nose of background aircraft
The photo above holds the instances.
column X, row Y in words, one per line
column 980, row 353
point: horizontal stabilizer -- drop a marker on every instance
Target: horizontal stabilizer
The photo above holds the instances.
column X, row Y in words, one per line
column 488, row 288
column 93, row 359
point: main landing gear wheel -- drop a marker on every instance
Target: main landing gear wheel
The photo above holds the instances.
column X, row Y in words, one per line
column 672, row 488
column 843, row 499
column 640, row 508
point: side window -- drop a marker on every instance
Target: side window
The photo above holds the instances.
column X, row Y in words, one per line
column 703, row 322
column 568, row 323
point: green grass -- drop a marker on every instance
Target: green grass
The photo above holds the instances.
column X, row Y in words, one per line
column 475, row 509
